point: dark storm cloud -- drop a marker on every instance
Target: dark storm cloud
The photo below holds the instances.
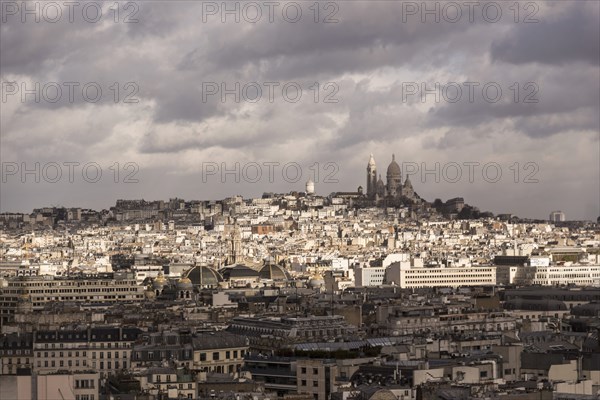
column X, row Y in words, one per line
column 368, row 54
column 571, row 36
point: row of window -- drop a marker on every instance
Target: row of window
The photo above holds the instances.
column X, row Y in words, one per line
column 84, row 397
column 315, row 371
column 217, row 354
column 314, row 383
column 91, row 345
column 75, row 363
column 84, row 383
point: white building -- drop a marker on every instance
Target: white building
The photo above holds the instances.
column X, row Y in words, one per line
column 368, row 276
column 567, row 274
column 416, row 276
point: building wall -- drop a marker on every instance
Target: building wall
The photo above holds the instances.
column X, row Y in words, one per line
column 368, row 276
column 316, row 377
column 219, row 360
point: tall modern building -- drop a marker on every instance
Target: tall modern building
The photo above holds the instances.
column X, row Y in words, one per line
column 557, row 216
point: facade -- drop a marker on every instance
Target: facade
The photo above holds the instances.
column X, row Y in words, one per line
column 368, row 276
column 549, row 275
column 218, row 352
column 316, row 377
column 82, row 385
column 15, row 352
column 103, row 349
column 168, row 382
column 423, row 277
column 568, row 274
column 34, row 293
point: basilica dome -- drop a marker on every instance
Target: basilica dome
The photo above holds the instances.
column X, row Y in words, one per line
column 393, row 169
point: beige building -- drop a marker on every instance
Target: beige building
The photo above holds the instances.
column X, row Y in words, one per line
column 167, row 381
column 63, row 386
column 316, row 377
column 23, row 294
column 106, row 350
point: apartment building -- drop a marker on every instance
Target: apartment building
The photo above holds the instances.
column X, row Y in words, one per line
column 316, row 377
column 27, row 294
column 103, row 349
column 15, row 352
column 407, row 276
column 62, row 385
column 219, row 352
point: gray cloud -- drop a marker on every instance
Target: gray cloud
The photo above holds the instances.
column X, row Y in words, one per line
column 368, row 54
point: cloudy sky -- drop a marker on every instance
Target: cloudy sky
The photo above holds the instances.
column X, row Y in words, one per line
column 517, row 92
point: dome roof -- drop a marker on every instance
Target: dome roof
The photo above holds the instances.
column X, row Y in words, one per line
column 274, row 272
column 159, row 281
column 201, row 276
column 185, row 284
column 316, row 280
column 238, row 271
column 394, row 169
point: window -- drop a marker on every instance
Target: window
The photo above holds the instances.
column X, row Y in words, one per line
column 315, row 371
column 215, row 355
column 227, row 355
column 303, row 383
column 202, row 356
column 315, row 383
column 303, row 370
